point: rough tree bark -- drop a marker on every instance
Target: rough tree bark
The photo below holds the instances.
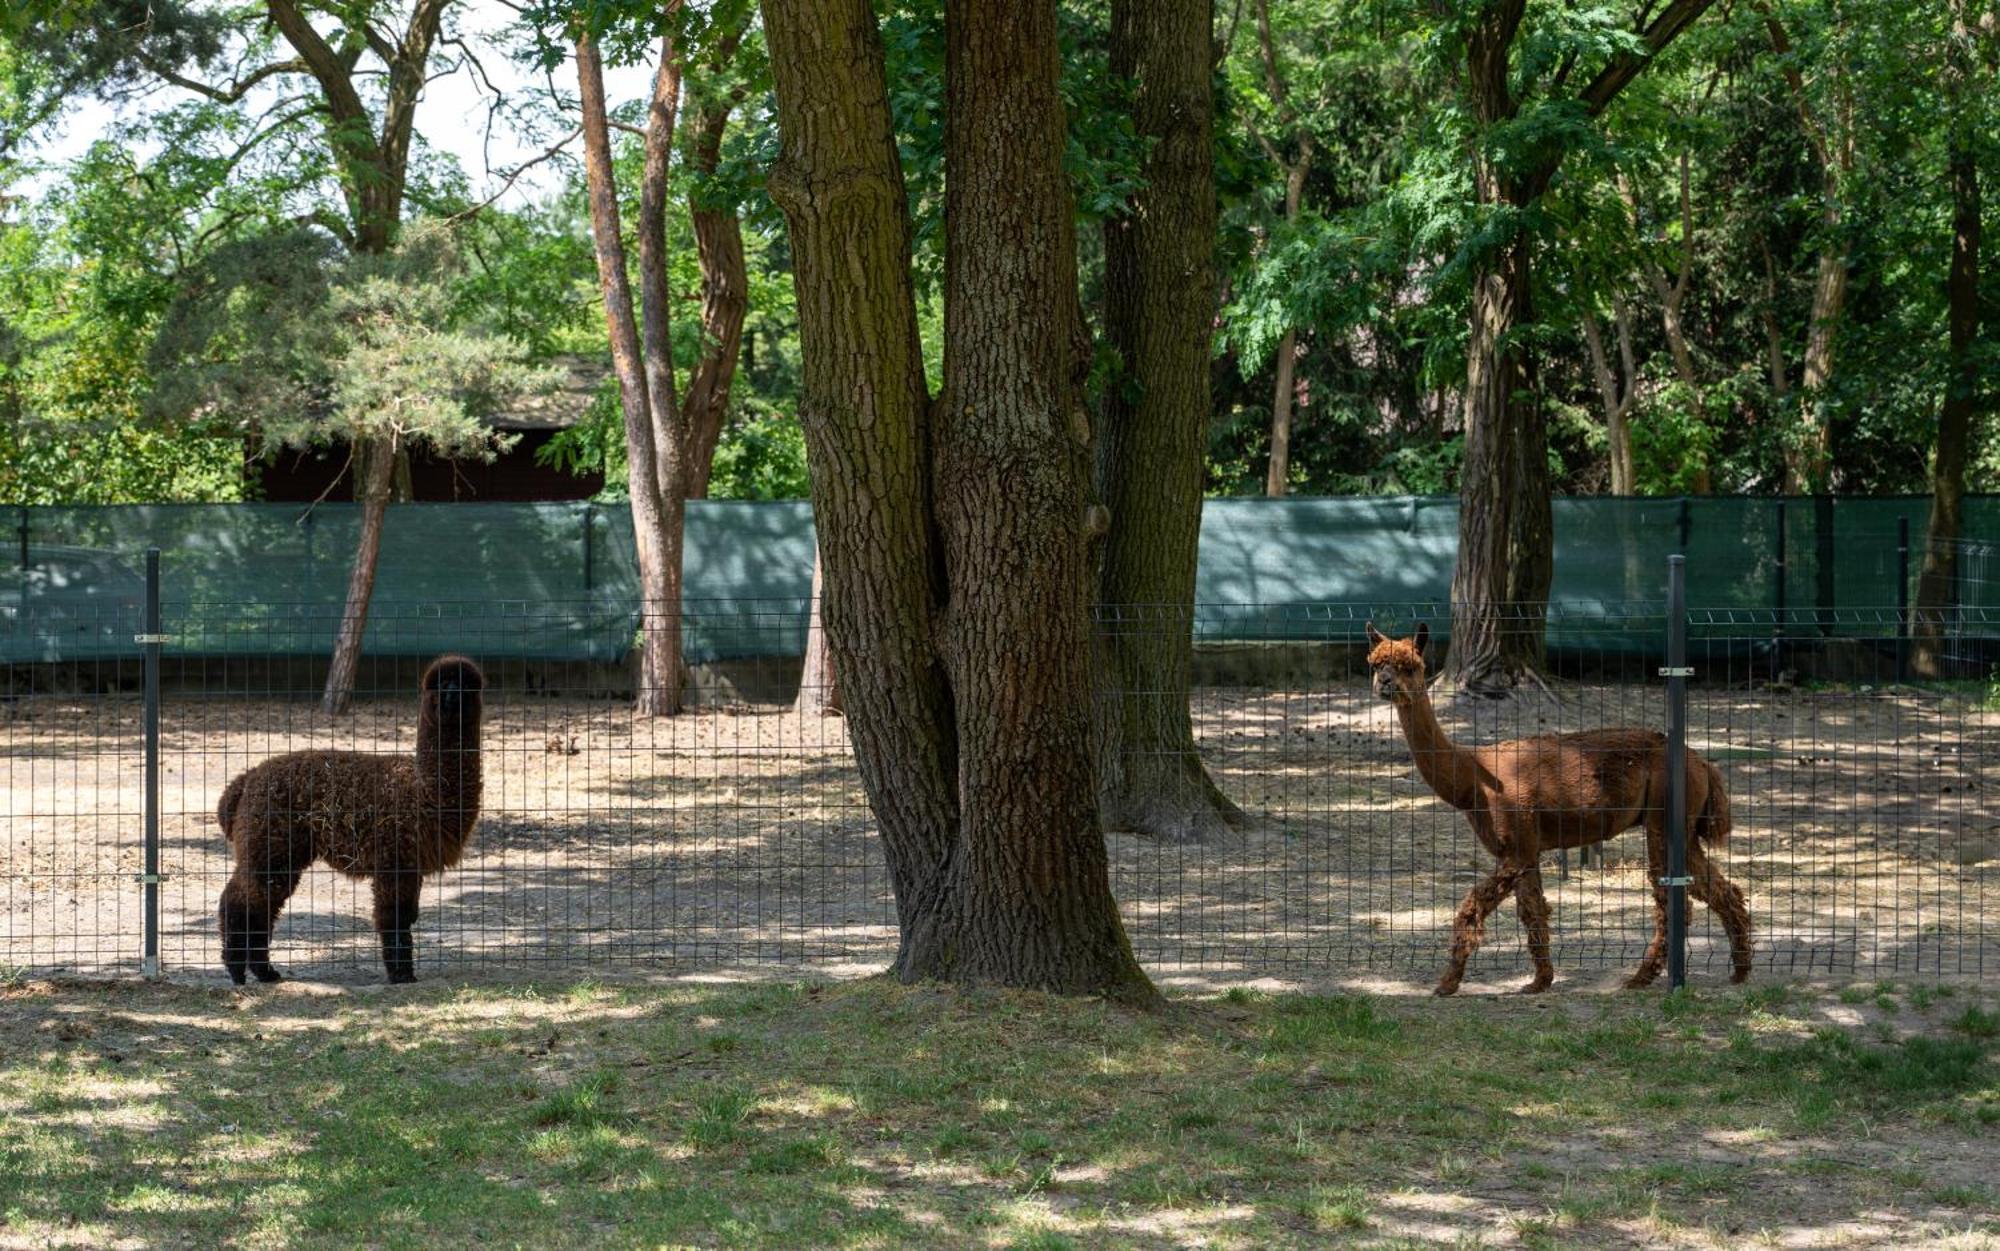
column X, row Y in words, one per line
column 1160, row 296
column 645, row 375
column 1500, row 585
column 1962, row 377
column 955, row 596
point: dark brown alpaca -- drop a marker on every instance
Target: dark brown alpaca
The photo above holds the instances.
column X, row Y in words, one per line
column 1559, row 790
column 390, row 819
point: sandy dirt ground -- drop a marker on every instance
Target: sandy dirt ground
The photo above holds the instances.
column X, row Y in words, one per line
column 1867, row 839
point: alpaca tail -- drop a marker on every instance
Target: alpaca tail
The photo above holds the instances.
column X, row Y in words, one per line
column 1712, row 824
column 225, row 808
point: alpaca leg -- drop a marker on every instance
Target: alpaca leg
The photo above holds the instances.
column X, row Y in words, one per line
column 1656, row 951
column 1468, row 928
column 396, row 894
column 250, row 905
column 1726, row 901
column 1533, row 907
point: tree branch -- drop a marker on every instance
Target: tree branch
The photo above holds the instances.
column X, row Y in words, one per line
column 547, row 154
column 234, row 92
column 1624, row 67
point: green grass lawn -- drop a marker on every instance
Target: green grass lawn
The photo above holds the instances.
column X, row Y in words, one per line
column 867, row 1114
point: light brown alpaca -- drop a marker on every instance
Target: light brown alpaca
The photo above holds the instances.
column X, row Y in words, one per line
column 391, row 819
column 1537, row 794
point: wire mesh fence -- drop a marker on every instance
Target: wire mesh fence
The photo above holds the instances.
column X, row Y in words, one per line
column 1865, row 820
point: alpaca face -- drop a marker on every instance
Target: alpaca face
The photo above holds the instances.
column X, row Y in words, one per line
column 1397, row 665
column 455, row 683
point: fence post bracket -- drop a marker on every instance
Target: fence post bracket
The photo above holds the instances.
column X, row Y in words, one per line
column 1676, row 671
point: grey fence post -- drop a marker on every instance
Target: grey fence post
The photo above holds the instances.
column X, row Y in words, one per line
column 1684, row 522
column 1778, row 622
column 151, row 639
column 1903, row 599
column 1677, row 672
column 24, row 538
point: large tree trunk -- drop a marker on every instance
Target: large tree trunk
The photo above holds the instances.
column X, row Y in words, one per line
column 864, row 411
column 1030, row 892
column 1160, row 310
column 1486, row 655
column 954, row 596
column 1962, row 381
column 378, row 467
column 655, row 538
column 1491, row 648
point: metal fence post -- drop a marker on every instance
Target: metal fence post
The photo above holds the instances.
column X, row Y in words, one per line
column 1778, row 623
column 1903, row 599
column 1677, row 672
column 24, row 538
column 151, row 639
column 1684, row 519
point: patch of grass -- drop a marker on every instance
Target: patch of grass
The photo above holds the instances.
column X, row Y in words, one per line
column 585, row 1104
column 877, row 1115
column 1977, row 1022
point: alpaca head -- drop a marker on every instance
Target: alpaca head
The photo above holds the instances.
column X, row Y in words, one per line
column 1397, row 664
column 451, row 694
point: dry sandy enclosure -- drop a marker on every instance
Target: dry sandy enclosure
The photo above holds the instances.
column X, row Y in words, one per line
column 1867, row 839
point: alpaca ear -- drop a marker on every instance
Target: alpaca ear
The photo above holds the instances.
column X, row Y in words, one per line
column 1423, row 637
column 1374, row 635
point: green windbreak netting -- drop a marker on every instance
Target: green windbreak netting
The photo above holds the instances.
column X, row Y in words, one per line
column 558, row 581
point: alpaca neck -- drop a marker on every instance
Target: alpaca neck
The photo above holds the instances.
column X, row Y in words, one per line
column 448, row 759
column 1450, row 770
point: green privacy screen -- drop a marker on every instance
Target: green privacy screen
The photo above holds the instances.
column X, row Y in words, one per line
column 248, row 578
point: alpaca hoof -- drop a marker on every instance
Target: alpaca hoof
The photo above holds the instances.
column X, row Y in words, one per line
column 401, row 978
column 1537, row 986
column 1445, row 988
column 1639, row 981
column 238, row 976
column 267, row 974
column 1740, row 976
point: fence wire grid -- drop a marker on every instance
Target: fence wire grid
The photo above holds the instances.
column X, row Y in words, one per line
column 1860, row 770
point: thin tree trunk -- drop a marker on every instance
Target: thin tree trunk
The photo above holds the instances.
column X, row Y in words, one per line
column 1616, row 390
column 725, row 294
column 372, row 162
column 1160, row 310
column 1962, row 382
column 656, row 542
column 1278, row 473
column 819, row 691
column 379, row 465
column 1284, row 392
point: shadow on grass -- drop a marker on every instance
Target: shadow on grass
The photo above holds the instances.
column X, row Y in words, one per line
column 870, row 1114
